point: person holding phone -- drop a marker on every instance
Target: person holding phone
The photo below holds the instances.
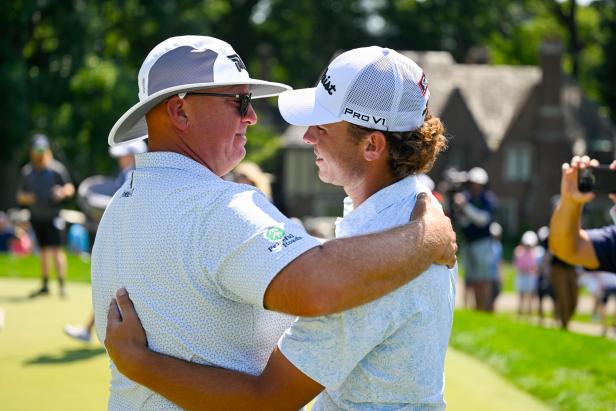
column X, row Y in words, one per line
column 594, row 249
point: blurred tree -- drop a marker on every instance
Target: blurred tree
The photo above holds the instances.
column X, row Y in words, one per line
column 455, row 26
column 606, row 69
column 305, row 34
column 68, row 68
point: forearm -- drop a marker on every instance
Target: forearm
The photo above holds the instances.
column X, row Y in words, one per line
column 195, row 387
column 24, row 198
column 69, row 190
column 567, row 240
column 480, row 218
column 345, row 273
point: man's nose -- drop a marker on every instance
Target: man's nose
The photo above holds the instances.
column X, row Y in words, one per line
column 251, row 116
column 310, row 136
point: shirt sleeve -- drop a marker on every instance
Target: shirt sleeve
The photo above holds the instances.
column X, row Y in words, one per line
column 327, row 349
column 62, row 173
column 250, row 243
column 604, row 242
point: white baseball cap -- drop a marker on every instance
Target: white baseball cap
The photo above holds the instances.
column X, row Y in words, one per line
column 373, row 87
column 529, row 239
column 478, row 175
column 181, row 64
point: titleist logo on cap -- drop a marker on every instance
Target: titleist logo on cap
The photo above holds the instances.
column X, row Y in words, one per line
column 327, row 83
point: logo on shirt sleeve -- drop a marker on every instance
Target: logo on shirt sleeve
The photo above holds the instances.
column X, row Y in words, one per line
column 279, row 238
column 274, row 234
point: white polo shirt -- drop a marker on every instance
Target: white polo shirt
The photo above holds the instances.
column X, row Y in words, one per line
column 196, row 254
column 388, row 354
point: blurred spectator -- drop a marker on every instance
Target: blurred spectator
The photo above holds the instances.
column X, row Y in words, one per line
column 607, row 289
column 96, row 197
column 7, row 233
column 250, row 173
column 544, row 283
column 78, row 241
column 526, row 257
column 21, row 244
column 45, row 184
column 593, row 249
column 473, row 212
column 496, row 271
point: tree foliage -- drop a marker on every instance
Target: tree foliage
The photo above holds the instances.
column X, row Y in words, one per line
column 69, row 68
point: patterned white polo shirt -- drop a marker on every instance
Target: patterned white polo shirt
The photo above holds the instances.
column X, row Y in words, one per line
column 196, row 253
column 388, row 354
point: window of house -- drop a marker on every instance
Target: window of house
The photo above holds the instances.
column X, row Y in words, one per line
column 518, row 165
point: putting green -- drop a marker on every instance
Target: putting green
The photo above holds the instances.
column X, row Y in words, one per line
column 41, row 368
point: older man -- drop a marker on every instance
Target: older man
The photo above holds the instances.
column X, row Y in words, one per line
column 202, row 257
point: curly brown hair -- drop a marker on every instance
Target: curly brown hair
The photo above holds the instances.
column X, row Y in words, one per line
column 410, row 152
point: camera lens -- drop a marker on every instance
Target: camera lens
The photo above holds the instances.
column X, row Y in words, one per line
column 586, row 180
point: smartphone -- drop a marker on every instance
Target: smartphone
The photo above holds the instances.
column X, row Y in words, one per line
column 599, row 180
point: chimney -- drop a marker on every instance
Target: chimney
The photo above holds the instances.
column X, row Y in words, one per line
column 478, row 55
column 550, row 125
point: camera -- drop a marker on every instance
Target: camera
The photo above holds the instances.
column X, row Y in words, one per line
column 598, row 180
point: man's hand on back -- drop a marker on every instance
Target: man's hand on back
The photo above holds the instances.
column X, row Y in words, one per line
column 125, row 338
column 438, row 231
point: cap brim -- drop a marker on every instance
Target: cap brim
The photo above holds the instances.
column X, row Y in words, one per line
column 300, row 108
column 132, row 125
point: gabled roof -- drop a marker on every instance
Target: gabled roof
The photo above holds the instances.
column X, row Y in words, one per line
column 493, row 93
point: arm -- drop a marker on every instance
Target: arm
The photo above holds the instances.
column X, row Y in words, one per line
column 25, row 198
column 567, row 239
column 346, row 273
column 193, row 386
column 62, row 192
column 479, row 217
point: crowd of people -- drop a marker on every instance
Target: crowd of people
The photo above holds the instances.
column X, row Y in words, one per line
column 538, row 274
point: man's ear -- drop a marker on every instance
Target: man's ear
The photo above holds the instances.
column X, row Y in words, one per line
column 175, row 108
column 375, row 146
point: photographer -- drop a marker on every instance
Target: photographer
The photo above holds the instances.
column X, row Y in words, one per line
column 594, row 249
column 473, row 212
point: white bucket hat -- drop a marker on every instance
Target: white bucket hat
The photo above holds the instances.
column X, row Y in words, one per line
column 127, row 149
column 181, row 64
column 373, row 87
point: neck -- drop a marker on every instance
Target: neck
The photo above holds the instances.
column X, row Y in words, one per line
column 370, row 183
column 169, row 141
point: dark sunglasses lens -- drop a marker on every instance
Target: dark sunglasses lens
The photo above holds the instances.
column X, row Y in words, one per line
column 244, row 103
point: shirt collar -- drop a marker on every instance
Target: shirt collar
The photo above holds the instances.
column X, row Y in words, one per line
column 356, row 217
column 167, row 159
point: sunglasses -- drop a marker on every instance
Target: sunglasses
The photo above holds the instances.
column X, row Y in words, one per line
column 243, row 99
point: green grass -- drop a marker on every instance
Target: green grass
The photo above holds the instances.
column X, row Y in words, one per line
column 567, row 371
column 29, row 267
column 42, row 369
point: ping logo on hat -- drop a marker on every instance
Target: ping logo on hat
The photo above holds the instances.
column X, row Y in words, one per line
column 238, row 62
column 372, row 87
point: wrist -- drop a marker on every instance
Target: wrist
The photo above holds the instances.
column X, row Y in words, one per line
column 132, row 362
